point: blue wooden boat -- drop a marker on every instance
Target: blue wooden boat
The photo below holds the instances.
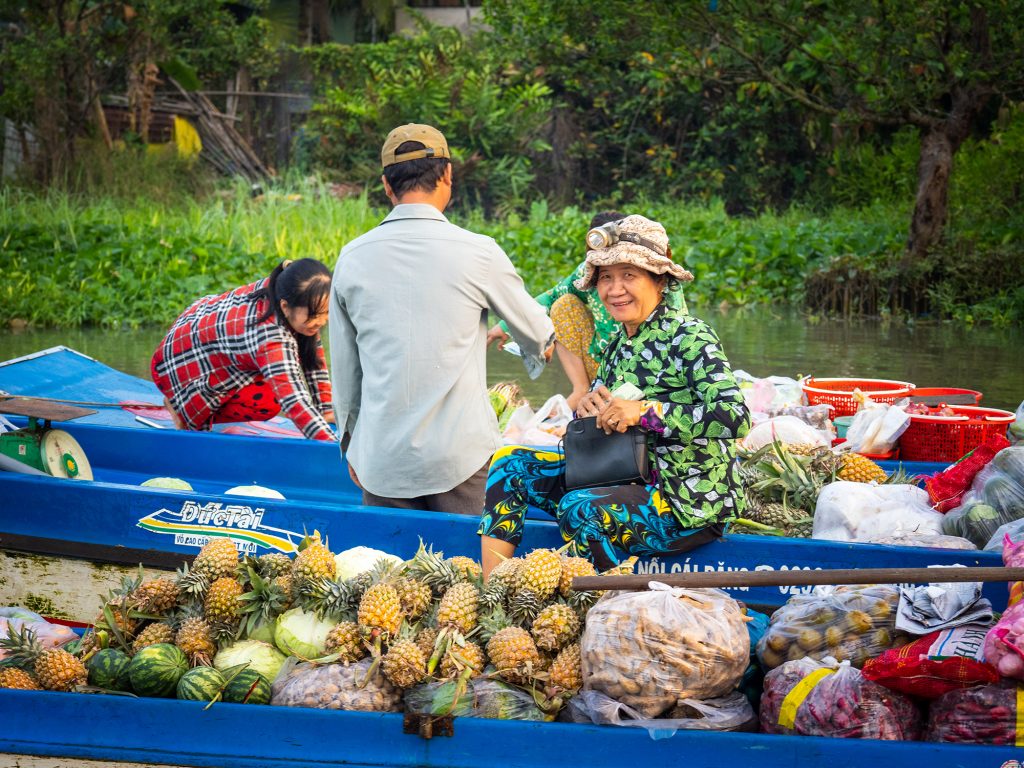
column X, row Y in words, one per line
column 116, row 729
column 111, row 524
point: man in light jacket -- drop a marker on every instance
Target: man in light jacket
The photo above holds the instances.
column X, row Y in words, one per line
column 408, row 327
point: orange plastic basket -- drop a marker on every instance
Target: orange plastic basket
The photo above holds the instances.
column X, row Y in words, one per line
column 948, row 438
column 945, row 391
column 839, row 392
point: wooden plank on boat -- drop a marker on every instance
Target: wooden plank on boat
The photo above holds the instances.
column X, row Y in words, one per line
column 60, row 588
column 42, row 409
column 32, row 761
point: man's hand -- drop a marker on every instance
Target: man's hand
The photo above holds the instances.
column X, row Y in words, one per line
column 498, row 335
column 549, row 352
column 355, row 477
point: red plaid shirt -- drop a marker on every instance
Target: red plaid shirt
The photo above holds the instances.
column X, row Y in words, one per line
column 216, row 347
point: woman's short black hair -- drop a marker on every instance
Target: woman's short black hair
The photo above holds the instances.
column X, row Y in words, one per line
column 422, row 174
column 603, row 217
column 302, row 283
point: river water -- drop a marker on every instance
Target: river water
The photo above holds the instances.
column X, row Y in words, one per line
column 761, row 342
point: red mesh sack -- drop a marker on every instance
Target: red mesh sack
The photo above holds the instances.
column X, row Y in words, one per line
column 984, row 714
column 947, row 488
column 810, row 698
column 935, row 663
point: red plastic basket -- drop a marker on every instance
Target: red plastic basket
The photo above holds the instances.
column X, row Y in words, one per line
column 944, row 391
column 839, row 392
column 947, row 438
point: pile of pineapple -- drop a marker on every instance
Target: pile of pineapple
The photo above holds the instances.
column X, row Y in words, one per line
column 781, row 483
column 430, row 618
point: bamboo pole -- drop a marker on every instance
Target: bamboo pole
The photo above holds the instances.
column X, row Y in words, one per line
column 799, row 578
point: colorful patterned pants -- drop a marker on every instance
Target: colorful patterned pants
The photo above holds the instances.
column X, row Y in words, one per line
column 595, row 521
column 253, row 402
column 574, row 329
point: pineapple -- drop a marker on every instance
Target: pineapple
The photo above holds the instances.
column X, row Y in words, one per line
column 415, row 597
column 433, row 570
column 571, row 568
column 514, row 654
column 459, row 657
column 380, row 610
column 157, row 597
column 426, row 639
column 273, row 564
column 467, row 566
column 217, row 559
column 345, row 640
column 313, row 562
column 860, row 469
column 331, row 598
column 524, row 607
column 222, row 602
column 158, row 632
column 54, row 668
column 555, row 625
column 459, row 607
column 567, row 669
column 195, row 639
column 192, row 585
column 404, row 664
column 19, row 679
column 540, row 573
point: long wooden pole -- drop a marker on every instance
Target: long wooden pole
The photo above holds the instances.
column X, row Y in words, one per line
column 799, row 578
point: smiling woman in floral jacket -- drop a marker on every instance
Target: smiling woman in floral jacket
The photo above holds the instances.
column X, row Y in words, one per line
column 692, row 411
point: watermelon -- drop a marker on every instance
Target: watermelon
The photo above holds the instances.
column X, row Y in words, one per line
column 156, row 669
column 200, row 684
column 109, row 669
column 247, row 687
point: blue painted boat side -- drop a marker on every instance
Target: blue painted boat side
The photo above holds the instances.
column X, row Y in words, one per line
column 179, row 521
column 113, row 728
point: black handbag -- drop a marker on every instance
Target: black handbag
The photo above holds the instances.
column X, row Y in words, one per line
column 594, row 459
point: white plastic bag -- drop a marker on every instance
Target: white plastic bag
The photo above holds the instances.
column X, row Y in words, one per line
column 849, row 511
column 876, row 427
column 727, row 712
column 787, row 429
column 546, row 426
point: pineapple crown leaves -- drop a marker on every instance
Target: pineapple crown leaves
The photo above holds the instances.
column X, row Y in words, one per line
column 331, row 598
column 310, row 539
column 22, row 645
column 191, row 584
column 262, row 603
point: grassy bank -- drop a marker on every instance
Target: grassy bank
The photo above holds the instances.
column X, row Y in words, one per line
column 87, row 260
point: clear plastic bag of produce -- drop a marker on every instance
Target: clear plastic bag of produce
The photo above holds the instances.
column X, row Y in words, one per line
column 811, row 698
column 984, row 714
column 817, row 416
column 48, row 635
column 947, row 488
column 478, row 697
column 931, row 540
column 725, row 713
column 846, row 623
column 335, row 686
column 786, row 429
column 1016, row 430
column 876, row 427
column 848, row 511
column 653, row 648
column 935, row 664
column 1004, row 643
column 995, row 498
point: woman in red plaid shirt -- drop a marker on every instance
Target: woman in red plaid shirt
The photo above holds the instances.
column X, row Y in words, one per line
column 251, row 353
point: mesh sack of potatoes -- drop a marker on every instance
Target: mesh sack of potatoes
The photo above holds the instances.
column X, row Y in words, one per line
column 653, row 649
column 336, row 686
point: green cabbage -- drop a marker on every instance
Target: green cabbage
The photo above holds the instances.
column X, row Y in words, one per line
column 262, row 657
column 172, row 483
column 357, row 560
column 254, row 490
column 302, row 634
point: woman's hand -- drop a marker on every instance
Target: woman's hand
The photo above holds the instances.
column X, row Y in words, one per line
column 592, row 403
column 619, row 415
column 329, row 416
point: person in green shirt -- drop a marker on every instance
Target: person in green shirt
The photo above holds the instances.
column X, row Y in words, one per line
column 583, row 327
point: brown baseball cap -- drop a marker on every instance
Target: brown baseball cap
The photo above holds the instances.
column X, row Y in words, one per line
column 432, row 139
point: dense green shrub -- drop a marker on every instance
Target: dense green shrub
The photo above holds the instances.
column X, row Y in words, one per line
column 490, row 112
